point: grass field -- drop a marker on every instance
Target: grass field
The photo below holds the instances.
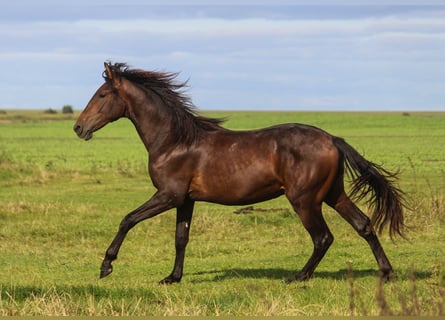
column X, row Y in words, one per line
column 61, row 201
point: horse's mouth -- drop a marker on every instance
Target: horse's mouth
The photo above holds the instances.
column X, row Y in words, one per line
column 87, row 136
column 83, row 134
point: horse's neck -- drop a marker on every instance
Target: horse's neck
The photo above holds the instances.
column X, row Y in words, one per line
column 151, row 124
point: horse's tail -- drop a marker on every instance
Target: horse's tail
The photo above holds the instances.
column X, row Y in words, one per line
column 371, row 179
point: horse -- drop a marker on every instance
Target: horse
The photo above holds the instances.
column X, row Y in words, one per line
column 194, row 158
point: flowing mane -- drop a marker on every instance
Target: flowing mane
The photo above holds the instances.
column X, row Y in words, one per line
column 187, row 124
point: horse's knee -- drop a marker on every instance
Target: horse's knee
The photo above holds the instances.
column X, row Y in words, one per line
column 126, row 224
column 182, row 234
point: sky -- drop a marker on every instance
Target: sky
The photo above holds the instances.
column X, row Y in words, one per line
column 323, row 55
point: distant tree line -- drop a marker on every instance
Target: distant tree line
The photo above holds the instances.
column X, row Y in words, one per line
column 66, row 109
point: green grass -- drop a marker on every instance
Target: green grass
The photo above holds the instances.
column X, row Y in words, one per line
column 61, row 201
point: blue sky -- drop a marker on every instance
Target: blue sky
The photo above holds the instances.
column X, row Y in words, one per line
column 237, row 55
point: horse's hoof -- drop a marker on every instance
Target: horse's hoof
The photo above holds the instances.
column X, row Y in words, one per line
column 302, row 276
column 386, row 276
column 105, row 271
column 170, row 280
column 289, row 280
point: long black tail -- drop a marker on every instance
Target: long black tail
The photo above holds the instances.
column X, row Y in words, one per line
column 371, row 179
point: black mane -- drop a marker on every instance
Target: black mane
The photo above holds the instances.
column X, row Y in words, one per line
column 187, row 124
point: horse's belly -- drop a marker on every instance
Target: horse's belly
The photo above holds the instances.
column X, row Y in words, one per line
column 236, row 190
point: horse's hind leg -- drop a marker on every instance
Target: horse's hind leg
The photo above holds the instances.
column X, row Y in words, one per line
column 362, row 224
column 312, row 219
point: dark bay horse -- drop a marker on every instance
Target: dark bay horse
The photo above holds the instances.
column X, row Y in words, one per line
column 193, row 158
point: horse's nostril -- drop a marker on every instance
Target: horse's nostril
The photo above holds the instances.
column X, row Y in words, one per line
column 78, row 129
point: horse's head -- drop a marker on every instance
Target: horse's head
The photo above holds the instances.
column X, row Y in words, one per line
column 106, row 105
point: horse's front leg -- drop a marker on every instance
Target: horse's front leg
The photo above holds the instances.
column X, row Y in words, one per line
column 183, row 221
column 159, row 203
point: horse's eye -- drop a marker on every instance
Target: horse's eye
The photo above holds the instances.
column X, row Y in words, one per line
column 103, row 94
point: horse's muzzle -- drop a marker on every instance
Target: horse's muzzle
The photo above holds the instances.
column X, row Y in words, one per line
column 82, row 133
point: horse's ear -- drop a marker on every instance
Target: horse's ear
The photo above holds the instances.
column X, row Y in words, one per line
column 111, row 75
column 108, row 71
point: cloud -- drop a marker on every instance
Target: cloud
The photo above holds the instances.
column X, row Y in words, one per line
column 295, row 57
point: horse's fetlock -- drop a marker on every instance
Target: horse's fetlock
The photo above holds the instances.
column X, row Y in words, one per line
column 110, row 255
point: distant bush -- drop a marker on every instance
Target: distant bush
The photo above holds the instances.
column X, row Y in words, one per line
column 50, row 111
column 67, row 109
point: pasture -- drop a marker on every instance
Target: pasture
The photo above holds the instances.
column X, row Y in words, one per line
column 62, row 199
